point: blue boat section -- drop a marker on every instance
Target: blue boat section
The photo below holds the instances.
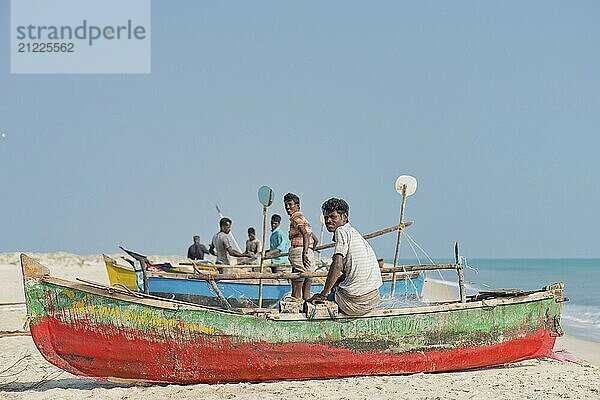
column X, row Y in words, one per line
column 191, row 288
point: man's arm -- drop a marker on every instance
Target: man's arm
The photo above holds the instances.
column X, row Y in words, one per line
column 305, row 245
column 204, row 249
column 233, row 252
column 189, row 255
column 211, row 250
column 315, row 240
column 335, row 271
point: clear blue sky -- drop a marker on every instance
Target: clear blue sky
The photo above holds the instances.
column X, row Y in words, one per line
column 493, row 106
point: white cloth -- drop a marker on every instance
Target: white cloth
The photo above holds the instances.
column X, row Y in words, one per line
column 360, row 263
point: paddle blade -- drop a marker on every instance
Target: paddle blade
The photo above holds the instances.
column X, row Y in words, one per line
column 265, row 196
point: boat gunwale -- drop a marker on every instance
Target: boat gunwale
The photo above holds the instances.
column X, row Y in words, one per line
column 153, row 301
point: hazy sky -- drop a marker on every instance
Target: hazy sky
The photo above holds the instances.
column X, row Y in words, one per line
column 493, row 106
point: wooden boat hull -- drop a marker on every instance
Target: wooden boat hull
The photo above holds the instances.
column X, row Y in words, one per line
column 239, row 293
column 110, row 334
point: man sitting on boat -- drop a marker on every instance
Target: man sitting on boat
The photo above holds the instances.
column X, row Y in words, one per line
column 302, row 241
column 354, row 272
column 221, row 248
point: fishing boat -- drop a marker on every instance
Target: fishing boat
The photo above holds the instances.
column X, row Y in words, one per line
column 114, row 334
column 238, row 293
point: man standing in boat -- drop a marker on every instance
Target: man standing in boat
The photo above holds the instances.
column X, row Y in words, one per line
column 354, row 272
column 302, row 241
column 197, row 250
column 253, row 247
column 279, row 243
column 221, row 248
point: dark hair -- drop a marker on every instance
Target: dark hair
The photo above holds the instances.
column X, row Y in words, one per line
column 224, row 221
column 334, row 204
column 291, row 197
column 251, row 230
column 276, row 218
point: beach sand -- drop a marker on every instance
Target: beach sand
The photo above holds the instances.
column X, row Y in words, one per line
column 24, row 374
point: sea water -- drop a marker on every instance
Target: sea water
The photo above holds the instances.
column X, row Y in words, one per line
column 581, row 314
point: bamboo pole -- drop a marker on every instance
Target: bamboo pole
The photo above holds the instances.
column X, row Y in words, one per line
column 320, row 274
column 367, row 236
column 262, row 256
column 398, row 239
column 322, row 219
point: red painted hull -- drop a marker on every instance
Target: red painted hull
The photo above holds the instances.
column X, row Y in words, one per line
column 128, row 355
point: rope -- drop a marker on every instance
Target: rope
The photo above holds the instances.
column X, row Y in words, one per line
column 407, row 277
column 426, row 255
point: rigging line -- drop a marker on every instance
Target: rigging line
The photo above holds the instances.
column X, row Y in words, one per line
column 407, row 277
column 410, row 238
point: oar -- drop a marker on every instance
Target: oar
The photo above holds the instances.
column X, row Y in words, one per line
column 265, row 198
column 237, row 246
column 406, row 185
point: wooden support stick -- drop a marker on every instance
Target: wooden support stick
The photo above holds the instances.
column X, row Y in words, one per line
column 399, row 239
column 262, row 256
column 461, row 275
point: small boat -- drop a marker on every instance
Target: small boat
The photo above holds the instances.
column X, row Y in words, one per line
column 114, row 334
column 239, row 293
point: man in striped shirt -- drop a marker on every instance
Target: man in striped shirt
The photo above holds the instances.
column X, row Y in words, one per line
column 354, row 272
column 302, row 241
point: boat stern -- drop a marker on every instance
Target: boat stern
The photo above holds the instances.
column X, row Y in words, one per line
column 32, row 269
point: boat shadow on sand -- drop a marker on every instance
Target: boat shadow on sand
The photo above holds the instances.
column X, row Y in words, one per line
column 83, row 384
column 52, row 383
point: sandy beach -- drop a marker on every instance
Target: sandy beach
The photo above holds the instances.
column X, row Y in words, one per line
column 24, row 374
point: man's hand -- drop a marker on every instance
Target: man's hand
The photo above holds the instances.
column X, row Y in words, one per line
column 306, row 261
column 317, row 297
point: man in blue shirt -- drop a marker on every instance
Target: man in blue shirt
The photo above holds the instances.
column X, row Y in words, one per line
column 279, row 243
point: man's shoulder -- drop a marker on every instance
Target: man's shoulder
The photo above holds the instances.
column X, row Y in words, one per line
column 222, row 236
column 346, row 229
column 277, row 232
